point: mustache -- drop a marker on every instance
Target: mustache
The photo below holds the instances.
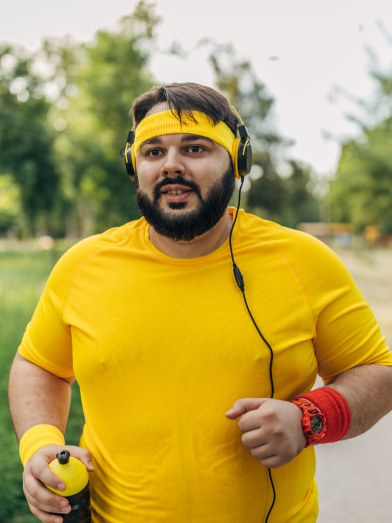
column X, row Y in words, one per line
column 178, row 180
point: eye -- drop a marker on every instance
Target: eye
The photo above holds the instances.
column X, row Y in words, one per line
column 196, row 149
column 154, row 152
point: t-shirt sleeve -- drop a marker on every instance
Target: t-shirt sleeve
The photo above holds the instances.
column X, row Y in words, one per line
column 347, row 332
column 47, row 340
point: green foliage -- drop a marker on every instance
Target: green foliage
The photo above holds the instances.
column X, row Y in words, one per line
column 22, row 278
column 101, row 82
column 63, row 149
column 287, row 200
column 362, row 190
column 9, row 203
column 26, row 141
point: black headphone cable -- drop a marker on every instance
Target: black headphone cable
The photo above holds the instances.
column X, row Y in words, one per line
column 240, row 282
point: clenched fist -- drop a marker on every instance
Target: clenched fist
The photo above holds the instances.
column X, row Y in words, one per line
column 271, row 429
column 37, row 474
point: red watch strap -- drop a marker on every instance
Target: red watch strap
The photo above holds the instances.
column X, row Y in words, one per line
column 309, row 412
column 335, row 409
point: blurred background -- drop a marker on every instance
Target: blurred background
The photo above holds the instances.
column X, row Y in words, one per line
column 313, row 83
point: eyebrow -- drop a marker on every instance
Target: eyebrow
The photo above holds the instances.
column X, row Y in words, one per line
column 192, row 137
column 186, row 138
column 151, row 141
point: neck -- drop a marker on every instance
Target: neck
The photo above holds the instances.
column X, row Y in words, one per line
column 200, row 246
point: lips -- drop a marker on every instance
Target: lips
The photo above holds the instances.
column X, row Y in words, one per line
column 176, row 193
column 164, row 190
column 177, row 196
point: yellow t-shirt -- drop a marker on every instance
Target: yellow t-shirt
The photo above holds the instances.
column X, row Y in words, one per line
column 162, row 347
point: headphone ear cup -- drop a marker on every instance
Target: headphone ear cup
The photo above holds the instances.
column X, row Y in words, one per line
column 244, row 158
column 129, row 163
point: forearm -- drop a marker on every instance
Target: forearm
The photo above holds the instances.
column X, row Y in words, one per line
column 37, row 397
column 368, row 392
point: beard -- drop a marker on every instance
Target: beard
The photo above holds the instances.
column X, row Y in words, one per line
column 188, row 225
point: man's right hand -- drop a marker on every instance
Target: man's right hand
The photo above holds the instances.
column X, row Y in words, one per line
column 37, row 474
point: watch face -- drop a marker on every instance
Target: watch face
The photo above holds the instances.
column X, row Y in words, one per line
column 317, row 425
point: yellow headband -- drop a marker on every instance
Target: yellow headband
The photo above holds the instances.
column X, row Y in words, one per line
column 165, row 122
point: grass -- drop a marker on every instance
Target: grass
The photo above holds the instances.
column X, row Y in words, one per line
column 22, row 279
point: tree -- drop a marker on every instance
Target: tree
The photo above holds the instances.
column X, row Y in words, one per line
column 9, row 203
column 362, row 189
column 26, row 141
column 64, row 120
column 287, row 200
column 101, row 82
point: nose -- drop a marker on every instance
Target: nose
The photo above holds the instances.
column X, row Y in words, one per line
column 173, row 164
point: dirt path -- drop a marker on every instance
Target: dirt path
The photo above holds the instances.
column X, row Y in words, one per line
column 355, row 477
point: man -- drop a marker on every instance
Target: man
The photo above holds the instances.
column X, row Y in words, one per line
column 149, row 319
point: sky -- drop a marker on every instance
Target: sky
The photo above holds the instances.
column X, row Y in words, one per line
column 307, row 52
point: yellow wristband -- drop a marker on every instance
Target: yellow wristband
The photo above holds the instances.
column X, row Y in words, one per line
column 36, row 438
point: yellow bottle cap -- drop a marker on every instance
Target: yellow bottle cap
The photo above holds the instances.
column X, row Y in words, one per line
column 70, row 470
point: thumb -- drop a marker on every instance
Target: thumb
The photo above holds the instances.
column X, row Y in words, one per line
column 244, row 405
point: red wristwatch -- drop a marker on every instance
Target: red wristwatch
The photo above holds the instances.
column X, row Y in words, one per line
column 314, row 425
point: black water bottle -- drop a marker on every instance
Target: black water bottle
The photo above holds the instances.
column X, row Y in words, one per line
column 77, row 492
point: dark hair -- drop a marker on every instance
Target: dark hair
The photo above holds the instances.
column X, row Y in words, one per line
column 186, row 98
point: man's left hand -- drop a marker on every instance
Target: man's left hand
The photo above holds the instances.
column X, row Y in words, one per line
column 271, row 428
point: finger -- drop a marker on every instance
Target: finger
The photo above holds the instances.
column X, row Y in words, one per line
column 44, row 516
column 39, row 468
column 83, row 455
column 41, row 497
column 244, row 405
column 254, row 439
column 268, row 457
column 48, row 508
column 263, row 452
column 250, row 421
